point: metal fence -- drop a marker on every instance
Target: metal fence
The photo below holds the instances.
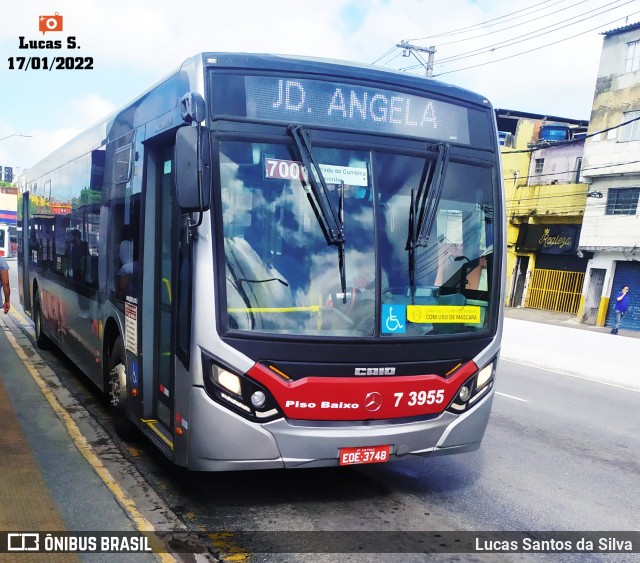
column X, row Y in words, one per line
column 555, row 290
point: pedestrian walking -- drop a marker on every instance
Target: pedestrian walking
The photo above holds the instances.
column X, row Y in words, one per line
column 4, row 279
column 622, row 303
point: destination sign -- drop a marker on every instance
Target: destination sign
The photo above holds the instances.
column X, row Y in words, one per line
column 349, row 106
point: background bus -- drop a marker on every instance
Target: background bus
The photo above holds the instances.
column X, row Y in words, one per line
column 8, row 218
column 277, row 262
column 5, row 242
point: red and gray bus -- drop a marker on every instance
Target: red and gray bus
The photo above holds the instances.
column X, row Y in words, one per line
column 272, row 261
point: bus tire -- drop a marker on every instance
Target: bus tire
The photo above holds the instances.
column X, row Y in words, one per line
column 118, row 393
column 42, row 340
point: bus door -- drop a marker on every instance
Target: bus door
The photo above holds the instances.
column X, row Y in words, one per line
column 165, row 325
column 160, row 283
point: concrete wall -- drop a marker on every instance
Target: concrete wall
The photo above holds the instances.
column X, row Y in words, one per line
column 564, row 202
column 515, row 169
column 560, row 164
column 616, row 92
column 609, row 162
column 609, row 232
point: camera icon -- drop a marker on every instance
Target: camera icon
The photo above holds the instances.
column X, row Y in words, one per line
column 50, row 23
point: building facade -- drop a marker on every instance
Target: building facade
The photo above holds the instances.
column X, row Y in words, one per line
column 610, row 233
column 541, row 161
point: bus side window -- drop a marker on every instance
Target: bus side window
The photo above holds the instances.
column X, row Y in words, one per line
column 77, row 253
column 128, row 270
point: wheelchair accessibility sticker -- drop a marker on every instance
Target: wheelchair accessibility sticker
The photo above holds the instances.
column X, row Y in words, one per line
column 394, row 319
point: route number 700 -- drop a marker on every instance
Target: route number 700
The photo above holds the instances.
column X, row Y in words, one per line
column 420, row 398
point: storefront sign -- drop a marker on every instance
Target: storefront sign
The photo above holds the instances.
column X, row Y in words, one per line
column 548, row 239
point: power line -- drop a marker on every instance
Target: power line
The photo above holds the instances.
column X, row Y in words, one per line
column 575, row 171
column 480, row 25
column 483, row 24
column 535, row 34
column 554, row 27
column 512, row 204
column 573, row 141
column 536, row 19
column 533, row 49
column 384, row 55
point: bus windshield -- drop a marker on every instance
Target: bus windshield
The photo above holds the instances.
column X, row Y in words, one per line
column 282, row 276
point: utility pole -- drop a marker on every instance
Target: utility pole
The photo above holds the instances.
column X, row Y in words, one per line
column 410, row 49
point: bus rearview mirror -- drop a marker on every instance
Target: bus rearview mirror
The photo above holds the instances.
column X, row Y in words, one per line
column 193, row 169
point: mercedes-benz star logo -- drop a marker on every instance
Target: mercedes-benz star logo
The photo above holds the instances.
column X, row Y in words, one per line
column 373, row 401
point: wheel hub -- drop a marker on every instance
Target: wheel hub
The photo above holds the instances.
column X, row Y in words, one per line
column 118, row 385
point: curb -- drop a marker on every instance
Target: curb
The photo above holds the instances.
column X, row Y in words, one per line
column 591, row 355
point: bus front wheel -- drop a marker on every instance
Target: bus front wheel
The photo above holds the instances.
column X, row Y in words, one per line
column 118, row 391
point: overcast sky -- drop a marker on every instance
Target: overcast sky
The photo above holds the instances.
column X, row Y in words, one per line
column 551, row 51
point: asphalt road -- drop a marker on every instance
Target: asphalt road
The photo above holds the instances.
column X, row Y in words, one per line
column 560, row 454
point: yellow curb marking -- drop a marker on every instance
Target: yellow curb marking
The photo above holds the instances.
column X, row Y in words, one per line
column 142, row 524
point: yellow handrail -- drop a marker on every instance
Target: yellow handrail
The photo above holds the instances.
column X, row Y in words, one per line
column 168, row 284
column 309, row 309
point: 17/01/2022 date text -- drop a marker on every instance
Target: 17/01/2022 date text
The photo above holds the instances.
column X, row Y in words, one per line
column 50, row 63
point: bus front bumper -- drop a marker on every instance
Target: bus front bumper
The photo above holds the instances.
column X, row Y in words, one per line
column 220, row 440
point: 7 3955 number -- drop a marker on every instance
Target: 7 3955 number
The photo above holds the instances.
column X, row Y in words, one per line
column 420, row 398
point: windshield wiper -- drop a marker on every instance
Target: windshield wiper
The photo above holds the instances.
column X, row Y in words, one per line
column 424, row 206
column 331, row 222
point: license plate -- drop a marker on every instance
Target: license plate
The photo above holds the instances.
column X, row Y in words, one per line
column 366, row 454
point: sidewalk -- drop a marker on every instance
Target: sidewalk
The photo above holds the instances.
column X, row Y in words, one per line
column 48, row 480
column 559, row 342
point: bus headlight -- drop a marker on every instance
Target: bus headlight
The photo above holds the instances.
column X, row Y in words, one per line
column 473, row 389
column 226, row 379
column 238, row 392
column 484, row 375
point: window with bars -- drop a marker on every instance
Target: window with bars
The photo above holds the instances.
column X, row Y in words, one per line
column 631, row 131
column 539, row 166
column 632, row 62
column 622, row 201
